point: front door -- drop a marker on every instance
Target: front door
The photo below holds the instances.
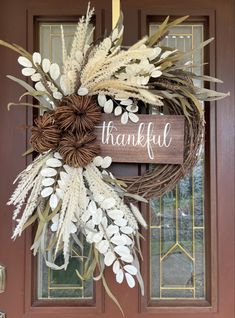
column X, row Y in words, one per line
column 188, row 265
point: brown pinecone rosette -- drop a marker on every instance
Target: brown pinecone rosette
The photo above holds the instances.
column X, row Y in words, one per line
column 78, row 113
column 77, row 150
column 68, row 129
column 45, row 134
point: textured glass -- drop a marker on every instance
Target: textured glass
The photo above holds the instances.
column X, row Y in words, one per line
column 53, row 284
column 177, row 266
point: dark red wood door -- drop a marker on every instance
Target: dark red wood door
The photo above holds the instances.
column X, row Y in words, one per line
column 188, row 277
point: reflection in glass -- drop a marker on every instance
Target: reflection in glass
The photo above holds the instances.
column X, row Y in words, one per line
column 64, row 284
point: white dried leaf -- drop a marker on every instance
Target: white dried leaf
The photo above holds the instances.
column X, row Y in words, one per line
column 104, row 222
column 102, row 246
column 53, row 162
column 128, row 239
column 130, row 269
column 115, row 214
column 124, row 118
column 72, row 228
column 89, row 237
column 126, row 229
column 97, row 237
column 36, row 77
column 120, row 222
column 101, row 100
column 108, row 203
column 145, row 80
column 112, row 229
column 118, row 111
column 54, row 227
column 119, row 276
column 46, row 192
column 126, row 102
column 130, row 280
column 122, row 250
column 57, row 155
column 118, row 239
column 91, row 227
column 156, row 73
column 46, row 65
column 48, row 182
column 55, row 221
column 109, row 258
column 53, row 201
column 86, row 216
column 106, row 162
column 48, row 172
column 156, row 52
column 57, row 95
column 24, row 61
column 92, row 207
column 54, row 71
column 98, row 161
column 37, row 58
column 108, row 106
column 127, row 258
column 97, row 217
column 116, row 267
column 82, row 91
column 40, row 87
column 28, row 71
column 133, row 117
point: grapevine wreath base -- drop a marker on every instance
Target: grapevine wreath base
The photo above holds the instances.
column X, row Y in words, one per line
column 68, row 191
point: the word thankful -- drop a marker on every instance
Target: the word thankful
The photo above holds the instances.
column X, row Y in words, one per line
column 154, row 139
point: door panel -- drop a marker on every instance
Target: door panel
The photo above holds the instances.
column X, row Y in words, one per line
column 214, row 302
column 191, row 229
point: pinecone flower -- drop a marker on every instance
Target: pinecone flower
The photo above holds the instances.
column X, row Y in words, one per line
column 45, row 134
column 77, row 150
column 78, row 113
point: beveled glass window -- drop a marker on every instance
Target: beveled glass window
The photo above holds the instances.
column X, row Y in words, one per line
column 177, row 230
column 60, row 284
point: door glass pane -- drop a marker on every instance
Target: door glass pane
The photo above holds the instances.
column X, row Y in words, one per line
column 177, row 232
column 53, row 284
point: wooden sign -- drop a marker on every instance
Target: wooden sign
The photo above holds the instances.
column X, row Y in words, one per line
column 154, row 139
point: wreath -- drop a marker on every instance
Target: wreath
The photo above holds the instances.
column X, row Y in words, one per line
column 67, row 190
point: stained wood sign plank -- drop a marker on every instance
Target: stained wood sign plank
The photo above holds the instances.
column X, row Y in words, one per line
column 154, row 139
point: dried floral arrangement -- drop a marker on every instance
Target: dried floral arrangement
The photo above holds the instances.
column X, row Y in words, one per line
column 68, row 191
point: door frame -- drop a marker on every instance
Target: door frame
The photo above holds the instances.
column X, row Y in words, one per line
column 17, row 256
